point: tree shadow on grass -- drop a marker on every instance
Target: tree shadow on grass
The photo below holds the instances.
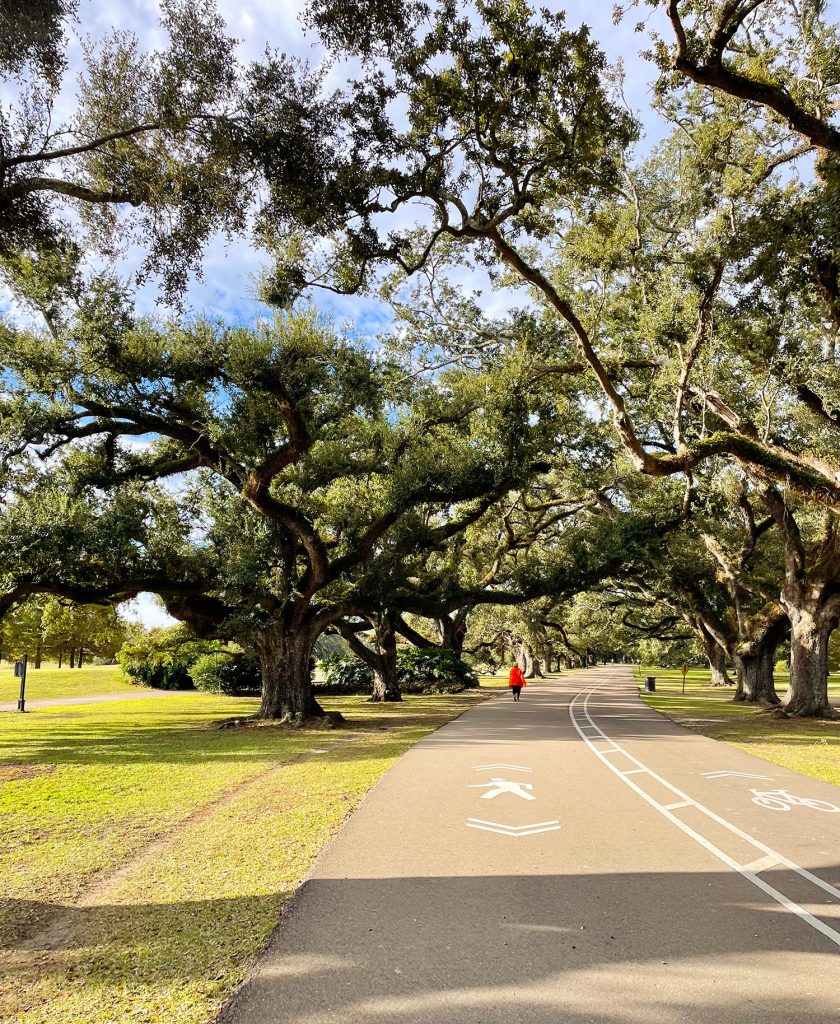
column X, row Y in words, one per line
column 141, row 736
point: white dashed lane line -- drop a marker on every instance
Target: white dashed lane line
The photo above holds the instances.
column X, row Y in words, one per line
column 591, row 734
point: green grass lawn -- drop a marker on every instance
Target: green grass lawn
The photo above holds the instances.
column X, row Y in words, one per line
column 494, row 682
column 49, row 682
column 811, row 747
column 145, row 854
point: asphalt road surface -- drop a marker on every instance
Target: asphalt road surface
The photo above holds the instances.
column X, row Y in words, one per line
column 572, row 858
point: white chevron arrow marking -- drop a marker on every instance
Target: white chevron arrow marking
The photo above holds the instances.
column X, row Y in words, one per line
column 740, row 775
column 516, row 831
column 491, row 767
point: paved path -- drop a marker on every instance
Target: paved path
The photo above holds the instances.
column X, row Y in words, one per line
column 666, row 894
column 100, row 698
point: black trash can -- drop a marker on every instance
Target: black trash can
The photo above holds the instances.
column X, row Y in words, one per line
column 650, row 684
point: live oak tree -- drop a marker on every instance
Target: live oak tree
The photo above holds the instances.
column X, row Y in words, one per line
column 773, row 54
column 516, row 531
column 268, row 467
column 506, row 565
column 721, row 575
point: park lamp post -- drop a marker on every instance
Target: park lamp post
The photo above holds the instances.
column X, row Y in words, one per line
column 20, row 672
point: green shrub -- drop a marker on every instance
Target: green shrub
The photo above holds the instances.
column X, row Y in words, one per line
column 234, row 675
column 344, row 675
column 433, row 670
column 158, row 658
column 419, row 670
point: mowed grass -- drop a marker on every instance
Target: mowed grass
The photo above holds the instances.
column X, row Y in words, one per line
column 495, row 682
column 810, row 747
column 50, row 682
column 145, row 854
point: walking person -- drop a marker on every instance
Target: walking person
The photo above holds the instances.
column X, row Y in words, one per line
column 517, row 681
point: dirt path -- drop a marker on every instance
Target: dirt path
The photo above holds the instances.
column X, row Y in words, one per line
column 101, row 698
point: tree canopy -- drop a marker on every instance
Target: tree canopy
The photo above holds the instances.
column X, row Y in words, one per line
column 610, row 368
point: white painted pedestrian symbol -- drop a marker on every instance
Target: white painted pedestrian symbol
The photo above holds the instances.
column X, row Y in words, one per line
column 494, row 767
column 740, row 775
column 516, row 831
column 781, row 800
column 496, row 787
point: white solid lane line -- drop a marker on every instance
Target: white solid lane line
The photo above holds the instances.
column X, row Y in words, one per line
column 748, row 871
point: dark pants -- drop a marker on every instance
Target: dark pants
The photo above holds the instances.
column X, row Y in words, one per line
column 516, row 691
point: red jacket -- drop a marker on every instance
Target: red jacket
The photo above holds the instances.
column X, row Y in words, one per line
column 516, row 677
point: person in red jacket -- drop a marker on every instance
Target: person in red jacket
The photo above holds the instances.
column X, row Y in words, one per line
column 517, row 681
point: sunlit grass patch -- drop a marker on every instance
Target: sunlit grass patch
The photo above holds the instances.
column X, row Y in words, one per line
column 49, row 682
column 494, row 682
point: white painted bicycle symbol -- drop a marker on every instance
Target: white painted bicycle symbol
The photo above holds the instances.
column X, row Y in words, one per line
column 781, row 800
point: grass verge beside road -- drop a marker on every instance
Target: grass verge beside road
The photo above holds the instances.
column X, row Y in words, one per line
column 810, row 747
column 50, row 682
column 496, row 682
column 145, row 855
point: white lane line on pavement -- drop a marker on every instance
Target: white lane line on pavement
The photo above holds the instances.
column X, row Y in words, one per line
column 679, row 803
column 762, row 864
column 635, row 771
column 744, row 870
column 827, row 886
column 514, row 831
column 742, row 775
column 510, row 767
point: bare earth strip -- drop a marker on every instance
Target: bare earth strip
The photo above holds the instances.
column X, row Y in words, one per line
column 101, row 698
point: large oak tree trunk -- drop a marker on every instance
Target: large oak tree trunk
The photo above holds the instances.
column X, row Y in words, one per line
column 754, row 668
column 525, row 660
column 811, row 599
column 386, row 687
column 284, row 655
column 810, row 630
column 717, row 661
column 383, row 660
